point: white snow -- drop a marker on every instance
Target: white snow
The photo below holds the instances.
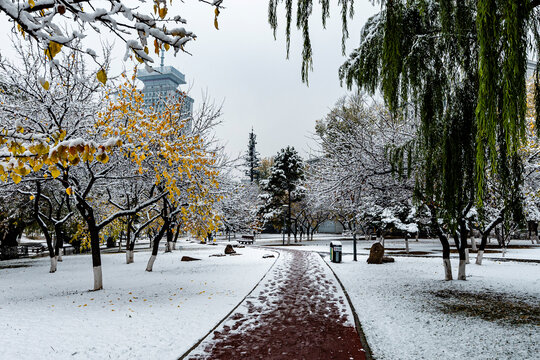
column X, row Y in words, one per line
column 156, row 315
column 401, row 318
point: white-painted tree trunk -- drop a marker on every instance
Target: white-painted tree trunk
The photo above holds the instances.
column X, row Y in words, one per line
column 467, row 256
column 288, row 239
column 473, row 244
column 129, row 256
column 53, row 264
column 479, row 257
column 59, row 257
column 151, row 263
column 174, row 245
column 461, row 271
column 169, row 246
column 98, row 278
column 447, row 269
column 417, row 236
column 407, row 245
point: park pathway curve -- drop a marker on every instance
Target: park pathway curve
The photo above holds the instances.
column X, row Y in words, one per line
column 298, row 311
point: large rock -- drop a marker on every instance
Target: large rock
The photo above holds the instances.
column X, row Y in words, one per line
column 376, row 254
column 188, row 258
column 229, row 249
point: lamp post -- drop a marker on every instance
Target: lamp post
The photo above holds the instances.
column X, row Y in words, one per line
column 285, row 207
column 354, row 242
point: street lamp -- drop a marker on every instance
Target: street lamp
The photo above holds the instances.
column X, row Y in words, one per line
column 285, row 207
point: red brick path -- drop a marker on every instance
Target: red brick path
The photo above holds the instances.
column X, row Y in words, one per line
column 297, row 312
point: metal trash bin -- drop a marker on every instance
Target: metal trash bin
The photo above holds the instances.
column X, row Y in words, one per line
column 335, row 251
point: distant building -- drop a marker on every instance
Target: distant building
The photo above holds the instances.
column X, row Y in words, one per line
column 531, row 67
column 161, row 84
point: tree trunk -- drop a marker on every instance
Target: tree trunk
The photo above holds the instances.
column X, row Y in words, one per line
column 59, row 244
column 446, row 257
column 155, row 246
column 354, row 247
column 479, row 257
column 168, row 246
column 460, row 240
column 176, row 234
column 96, row 257
column 53, row 264
column 485, row 237
column 473, row 244
column 407, row 244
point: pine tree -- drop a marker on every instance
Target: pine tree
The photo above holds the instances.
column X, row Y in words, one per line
column 283, row 185
column 252, row 159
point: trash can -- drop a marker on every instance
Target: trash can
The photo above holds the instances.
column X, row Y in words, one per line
column 335, row 251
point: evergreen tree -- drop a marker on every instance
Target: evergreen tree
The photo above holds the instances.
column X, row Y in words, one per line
column 252, row 159
column 283, row 185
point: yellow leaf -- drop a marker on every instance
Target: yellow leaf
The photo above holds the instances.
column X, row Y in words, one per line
column 216, row 23
column 54, row 171
column 163, row 12
column 167, row 46
column 102, row 76
column 16, row 178
column 53, row 49
column 69, row 191
column 146, row 49
column 103, row 158
column 32, row 197
column 31, row 3
column 45, row 85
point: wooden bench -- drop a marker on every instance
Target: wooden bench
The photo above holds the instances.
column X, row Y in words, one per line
column 247, row 239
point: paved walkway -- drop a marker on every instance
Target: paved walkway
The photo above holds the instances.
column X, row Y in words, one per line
column 298, row 311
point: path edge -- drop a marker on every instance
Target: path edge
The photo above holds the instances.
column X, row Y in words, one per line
column 230, row 312
column 359, row 330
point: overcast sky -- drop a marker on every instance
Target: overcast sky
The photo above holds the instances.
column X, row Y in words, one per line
column 244, row 67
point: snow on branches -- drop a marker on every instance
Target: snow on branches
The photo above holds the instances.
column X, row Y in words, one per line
column 55, row 24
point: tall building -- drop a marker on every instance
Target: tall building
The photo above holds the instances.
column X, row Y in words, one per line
column 161, row 84
column 531, row 67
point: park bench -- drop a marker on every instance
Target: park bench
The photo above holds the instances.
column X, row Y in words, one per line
column 38, row 248
column 247, row 239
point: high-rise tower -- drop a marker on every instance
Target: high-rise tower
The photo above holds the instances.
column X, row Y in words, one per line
column 163, row 83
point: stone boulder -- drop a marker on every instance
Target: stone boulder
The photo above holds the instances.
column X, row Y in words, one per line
column 229, row 249
column 376, row 254
column 188, row 258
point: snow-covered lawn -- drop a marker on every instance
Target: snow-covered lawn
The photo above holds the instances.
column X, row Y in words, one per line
column 518, row 249
column 138, row 315
column 404, row 319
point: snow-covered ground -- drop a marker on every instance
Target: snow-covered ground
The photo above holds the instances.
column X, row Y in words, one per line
column 518, row 249
column 138, row 315
column 163, row 313
column 403, row 318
